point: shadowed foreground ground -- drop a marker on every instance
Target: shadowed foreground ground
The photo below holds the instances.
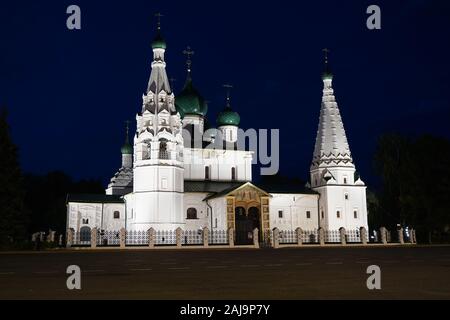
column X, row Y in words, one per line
column 307, row 273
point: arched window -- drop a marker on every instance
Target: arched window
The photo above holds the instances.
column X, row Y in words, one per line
column 207, row 174
column 192, row 214
column 233, row 174
column 163, row 154
column 116, row 215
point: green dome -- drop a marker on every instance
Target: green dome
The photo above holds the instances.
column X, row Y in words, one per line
column 228, row 118
column 190, row 102
column 159, row 42
column 327, row 75
column 127, row 148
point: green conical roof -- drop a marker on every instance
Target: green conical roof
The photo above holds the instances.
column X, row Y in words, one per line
column 190, row 102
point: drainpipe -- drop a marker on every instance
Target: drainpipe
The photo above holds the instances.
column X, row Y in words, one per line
column 318, row 211
column 211, row 211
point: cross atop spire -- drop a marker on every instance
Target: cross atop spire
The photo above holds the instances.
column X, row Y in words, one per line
column 127, row 130
column 228, row 88
column 188, row 52
column 158, row 16
column 326, row 51
column 327, row 74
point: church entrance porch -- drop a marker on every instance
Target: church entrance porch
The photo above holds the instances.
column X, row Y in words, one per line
column 248, row 209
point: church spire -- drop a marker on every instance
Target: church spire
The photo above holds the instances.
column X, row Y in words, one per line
column 158, row 78
column 331, row 147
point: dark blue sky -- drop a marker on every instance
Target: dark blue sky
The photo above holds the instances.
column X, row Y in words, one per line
column 69, row 92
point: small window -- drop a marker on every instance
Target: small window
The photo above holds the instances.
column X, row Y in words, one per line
column 355, row 214
column 323, row 215
column 345, row 180
column 338, row 214
column 308, row 214
column 192, row 214
column 207, row 174
column 116, row 215
column 85, row 221
column 280, row 214
column 233, row 174
column 346, row 196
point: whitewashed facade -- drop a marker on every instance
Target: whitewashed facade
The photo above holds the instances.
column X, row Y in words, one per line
column 169, row 180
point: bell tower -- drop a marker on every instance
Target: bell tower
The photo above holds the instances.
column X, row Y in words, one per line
column 158, row 152
column 342, row 200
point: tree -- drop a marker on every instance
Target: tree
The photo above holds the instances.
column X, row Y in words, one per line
column 13, row 217
column 46, row 198
column 415, row 176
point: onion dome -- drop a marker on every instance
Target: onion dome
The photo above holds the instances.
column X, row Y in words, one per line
column 159, row 42
column 190, row 102
column 127, row 148
column 228, row 117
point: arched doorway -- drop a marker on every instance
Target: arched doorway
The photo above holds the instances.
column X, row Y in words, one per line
column 85, row 234
column 246, row 222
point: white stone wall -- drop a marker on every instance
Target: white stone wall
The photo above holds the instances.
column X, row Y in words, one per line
column 158, row 198
column 294, row 208
column 100, row 216
column 333, row 199
column 219, row 213
column 220, row 163
column 195, row 200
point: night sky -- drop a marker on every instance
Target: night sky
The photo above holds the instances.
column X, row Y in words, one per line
column 69, row 92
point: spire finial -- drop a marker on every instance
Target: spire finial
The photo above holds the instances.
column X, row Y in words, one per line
column 228, row 88
column 127, row 130
column 158, row 16
column 188, row 53
column 326, row 51
column 327, row 72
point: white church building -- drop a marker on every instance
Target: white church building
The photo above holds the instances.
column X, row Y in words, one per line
column 169, row 179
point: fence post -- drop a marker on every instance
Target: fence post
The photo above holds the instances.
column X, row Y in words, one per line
column 363, row 234
column 151, row 237
column 299, row 232
column 205, row 237
column 94, row 238
column 413, row 236
column 400, row 236
column 69, row 238
column 231, row 237
column 342, row 236
column 256, row 238
column 321, row 236
column 383, row 235
column 276, row 238
column 123, row 236
column 179, row 235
